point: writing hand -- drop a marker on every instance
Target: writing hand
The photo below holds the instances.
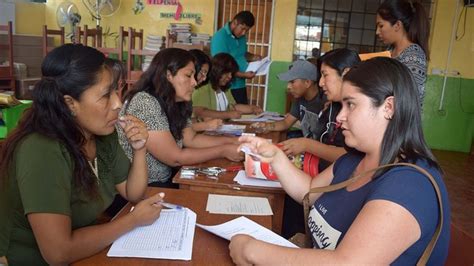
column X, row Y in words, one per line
column 147, row 210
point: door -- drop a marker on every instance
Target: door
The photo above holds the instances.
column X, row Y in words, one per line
column 259, row 37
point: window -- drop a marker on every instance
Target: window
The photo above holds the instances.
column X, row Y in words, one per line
column 331, row 24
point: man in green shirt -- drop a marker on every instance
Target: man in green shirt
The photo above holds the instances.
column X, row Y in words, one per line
column 231, row 39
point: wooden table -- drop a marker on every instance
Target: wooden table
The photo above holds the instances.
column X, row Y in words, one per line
column 275, row 136
column 225, row 185
column 207, row 248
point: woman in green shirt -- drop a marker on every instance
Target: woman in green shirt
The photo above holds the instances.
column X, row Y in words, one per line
column 214, row 100
column 63, row 165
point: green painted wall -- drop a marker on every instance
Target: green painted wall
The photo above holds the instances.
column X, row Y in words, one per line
column 452, row 128
column 276, row 95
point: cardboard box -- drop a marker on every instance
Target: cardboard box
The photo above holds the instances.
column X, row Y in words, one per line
column 24, row 88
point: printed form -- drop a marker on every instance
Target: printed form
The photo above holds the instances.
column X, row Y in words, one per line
column 243, row 225
column 169, row 237
column 238, row 205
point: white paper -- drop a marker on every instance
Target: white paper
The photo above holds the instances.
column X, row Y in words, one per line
column 263, row 117
column 243, row 225
column 229, row 129
column 225, row 204
column 169, row 237
column 259, row 67
column 242, row 179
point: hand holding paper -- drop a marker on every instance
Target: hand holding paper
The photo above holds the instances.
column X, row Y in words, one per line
column 259, row 67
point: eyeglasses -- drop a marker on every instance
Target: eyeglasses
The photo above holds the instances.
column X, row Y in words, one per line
column 203, row 73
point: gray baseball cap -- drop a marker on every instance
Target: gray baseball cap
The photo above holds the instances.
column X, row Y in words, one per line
column 300, row 69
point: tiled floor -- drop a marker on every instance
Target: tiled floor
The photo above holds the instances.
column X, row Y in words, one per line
column 459, row 178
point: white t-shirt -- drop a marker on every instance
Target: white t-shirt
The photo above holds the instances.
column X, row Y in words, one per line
column 221, row 101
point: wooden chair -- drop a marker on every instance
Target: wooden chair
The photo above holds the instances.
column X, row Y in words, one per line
column 7, row 75
column 82, row 36
column 118, row 50
column 133, row 50
column 51, row 33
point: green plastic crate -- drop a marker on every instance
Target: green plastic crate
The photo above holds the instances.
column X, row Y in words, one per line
column 11, row 116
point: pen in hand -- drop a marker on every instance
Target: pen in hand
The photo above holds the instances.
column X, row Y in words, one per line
column 167, row 204
column 170, row 205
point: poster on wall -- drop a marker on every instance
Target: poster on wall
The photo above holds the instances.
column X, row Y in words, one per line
column 179, row 8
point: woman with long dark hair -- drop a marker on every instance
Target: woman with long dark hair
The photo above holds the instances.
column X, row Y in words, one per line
column 385, row 217
column 62, row 166
column 215, row 100
column 202, row 63
column 162, row 99
column 404, row 25
column 327, row 141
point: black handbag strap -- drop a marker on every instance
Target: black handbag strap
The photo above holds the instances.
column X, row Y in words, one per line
column 429, row 248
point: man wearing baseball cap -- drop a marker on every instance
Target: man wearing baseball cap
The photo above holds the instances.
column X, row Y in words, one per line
column 302, row 78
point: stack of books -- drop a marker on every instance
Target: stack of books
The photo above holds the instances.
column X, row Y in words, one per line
column 200, row 38
column 153, row 43
column 182, row 32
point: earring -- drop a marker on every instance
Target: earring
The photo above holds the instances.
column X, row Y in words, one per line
column 388, row 117
column 73, row 113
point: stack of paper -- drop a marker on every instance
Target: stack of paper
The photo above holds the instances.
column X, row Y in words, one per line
column 182, row 32
column 153, row 43
column 198, row 38
column 169, row 237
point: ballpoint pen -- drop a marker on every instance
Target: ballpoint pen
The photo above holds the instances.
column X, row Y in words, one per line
column 170, row 205
column 166, row 205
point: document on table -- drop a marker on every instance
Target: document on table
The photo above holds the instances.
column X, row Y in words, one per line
column 243, row 225
column 228, row 129
column 225, row 204
column 263, row 117
column 259, row 67
column 169, row 237
column 242, row 179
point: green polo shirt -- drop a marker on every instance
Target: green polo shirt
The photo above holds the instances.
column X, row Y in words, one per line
column 205, row 96
column 224, row 41
column 41, row 181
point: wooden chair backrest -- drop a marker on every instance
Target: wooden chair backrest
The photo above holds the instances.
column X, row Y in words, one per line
column 52, row 33
column 83, row 36
column 8, row 72
column 134, row 49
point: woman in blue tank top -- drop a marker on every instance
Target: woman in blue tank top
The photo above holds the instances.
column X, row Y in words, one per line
column 385, row 217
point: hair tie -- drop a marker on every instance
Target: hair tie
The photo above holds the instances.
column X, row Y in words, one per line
column 47, row 78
